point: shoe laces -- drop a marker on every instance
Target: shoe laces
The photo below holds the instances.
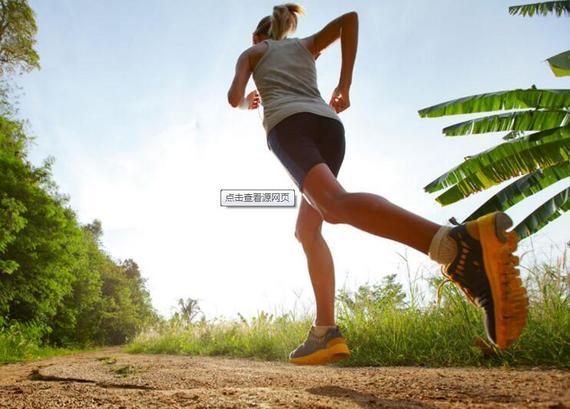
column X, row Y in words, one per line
column 311, row 337
column 449, row 278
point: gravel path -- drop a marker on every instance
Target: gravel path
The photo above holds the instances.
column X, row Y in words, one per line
column 112, row 379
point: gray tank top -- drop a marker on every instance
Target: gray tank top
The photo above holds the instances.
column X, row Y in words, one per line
column 286, row 79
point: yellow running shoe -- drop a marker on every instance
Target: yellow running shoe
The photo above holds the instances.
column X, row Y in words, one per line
column 331, row 347
column 485, row 270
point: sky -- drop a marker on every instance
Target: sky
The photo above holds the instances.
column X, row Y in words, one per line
column 131, row 101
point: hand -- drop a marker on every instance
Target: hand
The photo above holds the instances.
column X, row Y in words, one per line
column 340, row 99
column 252, row 100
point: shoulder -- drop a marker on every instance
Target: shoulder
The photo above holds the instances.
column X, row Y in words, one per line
column 254, row 53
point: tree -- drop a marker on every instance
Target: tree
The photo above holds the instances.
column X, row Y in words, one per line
column 17, row 37
column 387, row 295
column 536, row 147
column 40, row 237
column 188, row 310
column 96, row 229
column 54, row 275
column 126, row 307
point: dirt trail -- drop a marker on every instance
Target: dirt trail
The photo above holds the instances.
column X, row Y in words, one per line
column 110, row 378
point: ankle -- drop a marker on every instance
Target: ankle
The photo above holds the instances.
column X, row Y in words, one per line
column 443, row 248
column 321, row 330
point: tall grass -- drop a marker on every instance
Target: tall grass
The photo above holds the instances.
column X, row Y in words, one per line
column 384, row 327
column 22, row 342
column 264, row 337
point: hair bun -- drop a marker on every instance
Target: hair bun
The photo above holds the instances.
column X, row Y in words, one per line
column 284, row 19
column 292, row 8
column 295, row 9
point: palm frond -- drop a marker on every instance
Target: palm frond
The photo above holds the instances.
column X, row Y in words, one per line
column 512, row 121
column 500, row 101
column 560, row 64
column 522, row 188
column 544, row 214
column 506, row 160
column 543, row 8
column 498, row 173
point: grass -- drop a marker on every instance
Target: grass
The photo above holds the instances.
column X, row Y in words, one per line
column 107, row 360
column 124, row 370
column 384, row 328
column 263, row 337
column 21, row 343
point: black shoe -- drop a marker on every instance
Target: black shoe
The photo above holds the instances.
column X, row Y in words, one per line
column 484, row 269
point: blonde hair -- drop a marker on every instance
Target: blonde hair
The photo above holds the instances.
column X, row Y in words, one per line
column 284, row 20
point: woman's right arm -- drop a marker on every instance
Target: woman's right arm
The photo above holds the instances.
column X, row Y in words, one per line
column 344, row 27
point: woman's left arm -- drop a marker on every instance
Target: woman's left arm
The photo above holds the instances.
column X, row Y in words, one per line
column 241, row 78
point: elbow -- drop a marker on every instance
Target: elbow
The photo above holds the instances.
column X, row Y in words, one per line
column 351, row 16
column 349, row 22
column 233, row 101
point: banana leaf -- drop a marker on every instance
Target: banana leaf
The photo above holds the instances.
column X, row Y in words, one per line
column 500, row 101
column 522, row 188
column 546, row 213
column 528, row 161
column 512, row 121
column 509, row 158
column 560, row 64
column 558, row 7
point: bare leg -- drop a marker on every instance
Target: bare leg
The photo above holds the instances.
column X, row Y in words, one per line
column 488, row 273
column 366, row 211
column 319, row 261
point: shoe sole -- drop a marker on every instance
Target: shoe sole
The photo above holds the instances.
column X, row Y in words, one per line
column 335, row 351
column 509, row 296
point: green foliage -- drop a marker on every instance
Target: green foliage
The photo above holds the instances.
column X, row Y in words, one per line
column 19, row 340
column 534, row 120
column 550, row 148
column 263, row 337
column 387, row 295
column 524, row 187
column 500, row 101
column 542, row 158
column 11, row 222
column 548, row 285
column 57, row 286
column 53, row 274
column 22, row 342
column 548, row 211
column 126, row 303
column 560, row 64
column 17, row 37
column 543, row 8
column 188, row 310
column 39, row 227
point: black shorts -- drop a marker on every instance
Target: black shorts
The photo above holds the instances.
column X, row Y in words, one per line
column 304, row 140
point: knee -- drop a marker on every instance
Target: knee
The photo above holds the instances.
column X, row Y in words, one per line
column 332, row 217
column 307, row 236
column 332, row 209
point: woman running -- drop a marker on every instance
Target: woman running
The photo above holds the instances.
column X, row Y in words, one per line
column 307, row 136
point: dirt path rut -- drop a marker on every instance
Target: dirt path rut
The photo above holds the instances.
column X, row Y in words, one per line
column 112, row 379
